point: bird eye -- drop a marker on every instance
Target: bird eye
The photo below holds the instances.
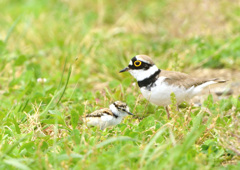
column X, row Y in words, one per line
column 137, row 63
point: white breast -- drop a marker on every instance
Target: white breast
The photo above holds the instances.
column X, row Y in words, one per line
column 160, row 94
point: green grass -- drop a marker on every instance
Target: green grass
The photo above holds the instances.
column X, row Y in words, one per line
column 79, row 47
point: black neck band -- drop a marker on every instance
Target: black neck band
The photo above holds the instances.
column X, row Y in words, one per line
column 149, row 80
column 116, row 116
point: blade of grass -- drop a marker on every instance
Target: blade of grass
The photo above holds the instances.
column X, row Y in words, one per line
column 12, row 28
column 65, row 63
column 16, row 163
column 60, row 92
column 51, row 102
column 111, row 140
column 65, row 86
column 147, row 148
column 176, row 152
column 10, row 149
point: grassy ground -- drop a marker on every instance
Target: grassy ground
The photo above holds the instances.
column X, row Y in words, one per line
column 79, row 47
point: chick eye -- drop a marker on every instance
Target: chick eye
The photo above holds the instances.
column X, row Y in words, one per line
column 137, row 63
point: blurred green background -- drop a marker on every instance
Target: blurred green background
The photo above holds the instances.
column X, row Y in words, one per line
column 79, row 47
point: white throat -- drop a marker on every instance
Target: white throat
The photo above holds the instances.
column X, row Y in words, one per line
column 116, row 111
column 142, row 74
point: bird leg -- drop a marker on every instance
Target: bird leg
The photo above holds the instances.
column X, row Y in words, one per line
column 167, row 110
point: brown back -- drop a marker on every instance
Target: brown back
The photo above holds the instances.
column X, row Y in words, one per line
column 99, row 113
column 182, row 79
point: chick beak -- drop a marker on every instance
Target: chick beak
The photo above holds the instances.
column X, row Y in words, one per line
column 129, row 113
column 123, row 70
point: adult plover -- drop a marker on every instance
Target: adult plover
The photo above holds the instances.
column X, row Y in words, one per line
column 108, row 117
column 157, row 85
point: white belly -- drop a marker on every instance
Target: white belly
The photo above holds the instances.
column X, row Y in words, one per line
column 103, row 121
column 161, row 93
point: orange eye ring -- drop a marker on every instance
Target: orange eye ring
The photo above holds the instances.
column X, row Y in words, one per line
column 137, row 63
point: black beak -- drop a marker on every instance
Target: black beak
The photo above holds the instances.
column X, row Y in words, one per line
column 123, row 70
column 129, row 113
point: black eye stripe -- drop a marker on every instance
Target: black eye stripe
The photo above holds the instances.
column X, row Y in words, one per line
column 143, row 65
column 121, row 107
column 115, row 105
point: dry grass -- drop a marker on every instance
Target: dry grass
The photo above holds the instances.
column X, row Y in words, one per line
column 198, row 18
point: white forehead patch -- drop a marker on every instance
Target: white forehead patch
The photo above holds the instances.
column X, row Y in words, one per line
column 130, row 63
